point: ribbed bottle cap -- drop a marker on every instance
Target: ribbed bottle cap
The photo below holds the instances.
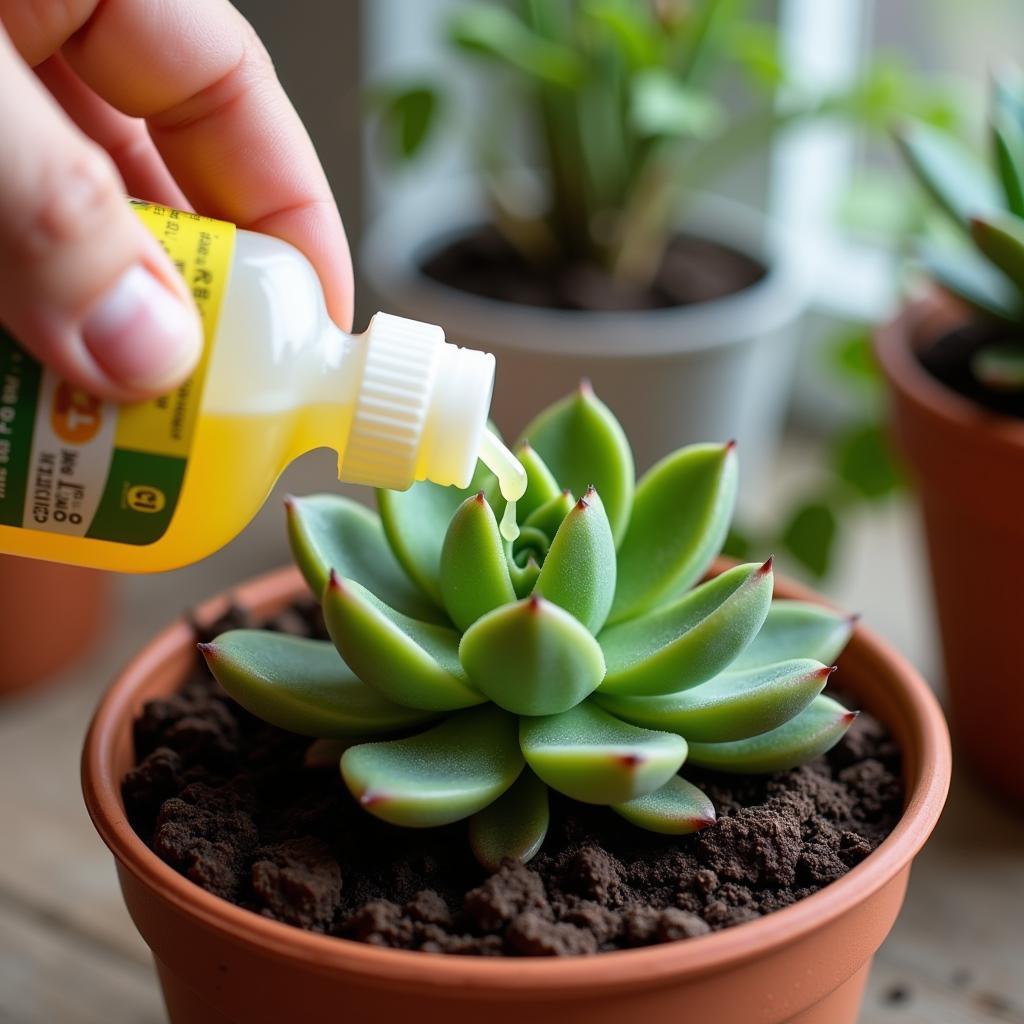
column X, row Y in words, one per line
column 420, row 409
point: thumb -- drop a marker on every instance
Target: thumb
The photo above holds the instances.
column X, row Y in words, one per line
column 85, row 288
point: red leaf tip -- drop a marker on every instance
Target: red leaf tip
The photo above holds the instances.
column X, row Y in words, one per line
column 704, row 822
column 825, row 671
column 767, row 567
column 533, row 603
column 370, row 798
column 849, row 717
column 290, row 503
column 730, row 445
column 334, row 582
column 582, row 504
column 631, row 760
column 480, row 498
column 586, row 388
column 207, row 650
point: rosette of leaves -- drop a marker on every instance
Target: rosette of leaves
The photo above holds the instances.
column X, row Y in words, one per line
column 469, row 676
column 986, row 204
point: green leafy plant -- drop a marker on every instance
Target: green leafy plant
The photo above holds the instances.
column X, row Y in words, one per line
column 586, row 657
column 602, row 116
column 987, row 205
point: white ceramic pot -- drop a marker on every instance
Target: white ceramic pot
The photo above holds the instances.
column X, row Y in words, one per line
column 707, row 372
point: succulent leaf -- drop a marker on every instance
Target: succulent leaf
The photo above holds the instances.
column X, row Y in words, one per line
column 541, row 485
column 415, row 522
column 412, row 663
column 514, row 826
column 579, row 570
column 732, row 706
column 1000, row 366
column 796, row 629
column 532, row 658
column 680, row 518
column 955, row 180
column 690, row 640
column 582, row 442
column 674, row 809
column 1000, row 238
column 592, row 756
column 524, row 577
column 328, row 532
column 442, row 775
column 303, row 686
column 819, row 727
column 548, row 517
column 976, row 282
column 474, row 571
column 1008, row 144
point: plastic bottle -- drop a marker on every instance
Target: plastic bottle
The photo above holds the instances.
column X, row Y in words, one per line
column 163, row 483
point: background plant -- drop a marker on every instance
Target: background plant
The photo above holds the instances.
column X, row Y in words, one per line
column 604, row 115
column 987, row 205
column 586, row 657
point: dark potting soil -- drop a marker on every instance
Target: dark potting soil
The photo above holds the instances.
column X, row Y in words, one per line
column 237, row 806
column 692, row 270
column 948, row 359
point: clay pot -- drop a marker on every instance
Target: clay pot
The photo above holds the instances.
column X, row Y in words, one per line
column 968, row 465
column 49, row 615
column 806, row 964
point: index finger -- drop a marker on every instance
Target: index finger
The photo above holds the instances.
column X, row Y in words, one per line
column 198, row 74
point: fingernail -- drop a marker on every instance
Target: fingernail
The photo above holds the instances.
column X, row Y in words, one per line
column 141, row 334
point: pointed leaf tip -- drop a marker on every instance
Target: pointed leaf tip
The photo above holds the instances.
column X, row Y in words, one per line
column 767, row 566
column 582, row 442
column 582, row 504
column 681, row 514
column 586, row 387
column 730, row 445
column 677, row 808
column 532, row 657
column 207, row 650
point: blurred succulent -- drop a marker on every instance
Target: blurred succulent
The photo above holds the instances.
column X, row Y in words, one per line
column 988, row 205
column 603, row 116
column 587, row 656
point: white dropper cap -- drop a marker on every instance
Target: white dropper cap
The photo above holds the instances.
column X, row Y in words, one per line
column 420, row 410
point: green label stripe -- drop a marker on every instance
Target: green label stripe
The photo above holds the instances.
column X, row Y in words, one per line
column 139, row 497
column 19, row 390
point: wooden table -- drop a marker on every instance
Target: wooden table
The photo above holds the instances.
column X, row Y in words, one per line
column 70, row 955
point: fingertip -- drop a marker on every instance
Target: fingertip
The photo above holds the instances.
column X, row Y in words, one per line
column 142, row 336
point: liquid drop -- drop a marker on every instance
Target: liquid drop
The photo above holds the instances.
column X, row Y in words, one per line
column 511, row 479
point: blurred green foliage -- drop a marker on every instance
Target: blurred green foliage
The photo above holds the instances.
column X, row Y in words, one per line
column 600, row 117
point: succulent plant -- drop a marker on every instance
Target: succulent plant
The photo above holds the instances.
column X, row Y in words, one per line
column 988, row 205
column 586, row 657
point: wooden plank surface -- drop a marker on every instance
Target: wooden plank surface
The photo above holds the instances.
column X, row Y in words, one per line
column 70, row 955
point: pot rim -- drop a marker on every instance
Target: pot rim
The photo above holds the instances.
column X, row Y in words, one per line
column 774, row 300
column 654, row 964
column 895, row 343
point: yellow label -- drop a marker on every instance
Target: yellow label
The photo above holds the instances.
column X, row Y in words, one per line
column 201, row 249
column 73, row 464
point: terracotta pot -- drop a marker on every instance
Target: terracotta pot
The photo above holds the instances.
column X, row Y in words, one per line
column 49, row 615
column 806, row 964
column 968, row 465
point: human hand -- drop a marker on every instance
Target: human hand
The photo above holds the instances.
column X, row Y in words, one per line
column 175, row 101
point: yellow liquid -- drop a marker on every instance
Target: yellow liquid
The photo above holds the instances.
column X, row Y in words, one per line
column 234, row 464
column 511, row 480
